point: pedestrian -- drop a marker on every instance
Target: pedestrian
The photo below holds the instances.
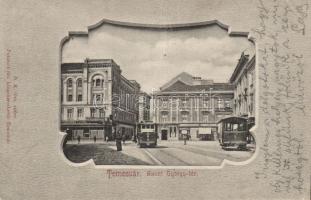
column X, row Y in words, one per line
column 185, row 136
column 123, row 138
column 118, row 141
column 94, row 138
column 79, row 139
column 138, row 138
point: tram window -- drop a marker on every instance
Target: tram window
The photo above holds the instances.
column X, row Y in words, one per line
column 235, row 127
column 242, row 127
column 229, row 127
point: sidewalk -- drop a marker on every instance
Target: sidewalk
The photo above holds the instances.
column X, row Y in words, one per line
column 101, row 141
column 86, row 141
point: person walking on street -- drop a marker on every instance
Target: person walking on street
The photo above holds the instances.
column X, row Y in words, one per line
column 123, row 138
column 118, row 141
column 94, row 138
column 185, row 137
column 79, row 139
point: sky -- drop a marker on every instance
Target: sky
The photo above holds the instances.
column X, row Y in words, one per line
column 154, row 57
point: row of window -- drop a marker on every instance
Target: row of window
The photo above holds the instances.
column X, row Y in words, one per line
column 184, row 117
column 244, row 105
column 70, row 83
column 70, row 97
column 70, row 92
column 96, row 82
column 96, row 98
column 70, row 112
column 95, row 113
column 187, row 118
column 220, row 103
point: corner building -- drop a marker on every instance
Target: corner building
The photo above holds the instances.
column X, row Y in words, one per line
column 243, row 79
column 97, row 100
column 191, row 105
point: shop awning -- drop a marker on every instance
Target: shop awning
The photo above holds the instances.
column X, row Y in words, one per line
column 205, row 131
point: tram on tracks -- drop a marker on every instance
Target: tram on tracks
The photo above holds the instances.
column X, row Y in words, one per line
column 147, row 134
column 233, row 133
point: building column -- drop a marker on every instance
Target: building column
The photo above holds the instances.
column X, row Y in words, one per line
column 75, row 113
column 84, row 84
column 64, row 113
column 198, row 109
column 84, row 91
column 171, row 110
column 65, row 91
column 89, row 98
column 177, row 110
column 191, row 109
column 74, row 93
column 157, row 110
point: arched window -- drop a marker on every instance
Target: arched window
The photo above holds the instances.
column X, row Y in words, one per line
column 69, row 83
column 97, row 82
column 79, row 82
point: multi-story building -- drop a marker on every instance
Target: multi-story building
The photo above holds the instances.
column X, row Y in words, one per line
column 144, row 106
column 243, row 79
column 191, row 105
column 97, row 100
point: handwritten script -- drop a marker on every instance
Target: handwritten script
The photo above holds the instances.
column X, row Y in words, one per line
column 281, row 70
column 11, row 96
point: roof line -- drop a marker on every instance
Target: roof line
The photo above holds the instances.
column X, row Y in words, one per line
column 243, row 61
column 160, row 26
column 173, row 81
column 156, row 26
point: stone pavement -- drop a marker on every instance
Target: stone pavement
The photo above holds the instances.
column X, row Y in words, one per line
column 167, row 153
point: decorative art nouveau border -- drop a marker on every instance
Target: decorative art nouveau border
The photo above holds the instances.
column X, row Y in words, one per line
column 192, row 25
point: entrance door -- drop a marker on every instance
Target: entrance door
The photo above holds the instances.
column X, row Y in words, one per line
column 163, row 134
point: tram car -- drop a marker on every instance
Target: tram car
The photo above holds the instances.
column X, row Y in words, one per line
column 147, row 134
column 233, row 133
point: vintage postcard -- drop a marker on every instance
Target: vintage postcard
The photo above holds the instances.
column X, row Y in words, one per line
column 155, row 100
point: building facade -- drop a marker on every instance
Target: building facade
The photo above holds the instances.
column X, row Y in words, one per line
column 243, row 79
column 97, row 100
column 191, row 105
column 144, row 106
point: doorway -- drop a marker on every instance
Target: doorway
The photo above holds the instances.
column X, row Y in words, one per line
column 163, row 134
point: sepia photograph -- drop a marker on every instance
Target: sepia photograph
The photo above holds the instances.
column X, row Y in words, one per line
column 164, row 95
column 155, row 100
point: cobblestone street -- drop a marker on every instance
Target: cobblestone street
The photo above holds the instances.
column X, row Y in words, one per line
column 167, row 153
